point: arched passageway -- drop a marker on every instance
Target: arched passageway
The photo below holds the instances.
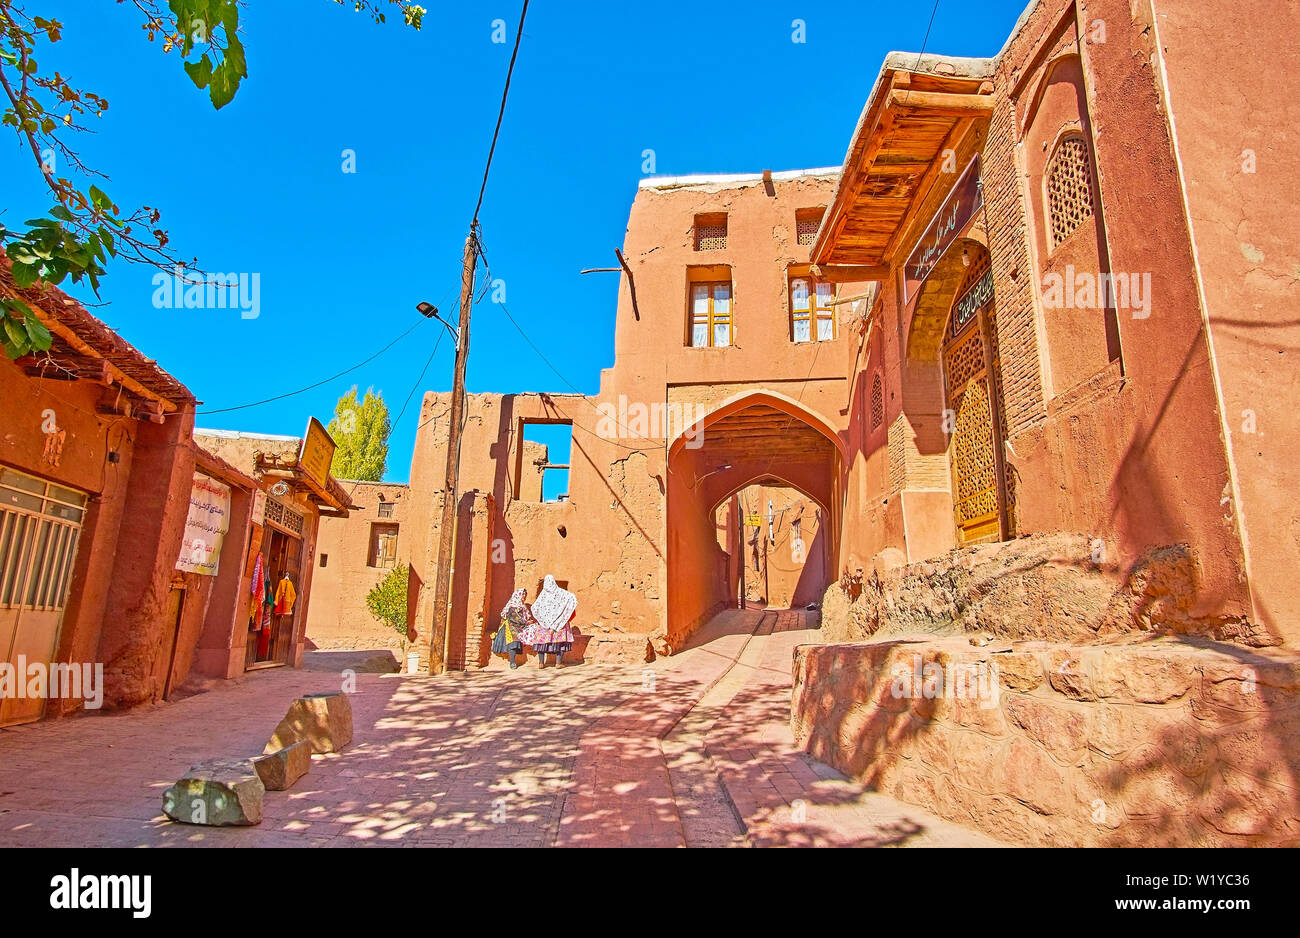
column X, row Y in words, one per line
column 759, row 439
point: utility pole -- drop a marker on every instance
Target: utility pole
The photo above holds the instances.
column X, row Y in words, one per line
column 451, row 485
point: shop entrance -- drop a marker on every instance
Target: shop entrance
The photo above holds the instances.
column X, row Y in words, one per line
column 972, row 400
column 271, row 634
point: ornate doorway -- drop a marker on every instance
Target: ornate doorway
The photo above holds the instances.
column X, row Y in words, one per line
column 973, row 399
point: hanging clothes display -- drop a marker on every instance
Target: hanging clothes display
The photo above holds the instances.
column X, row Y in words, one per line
column 285, row 595
column 257, row 588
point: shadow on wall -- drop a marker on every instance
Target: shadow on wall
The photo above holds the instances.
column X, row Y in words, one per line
column 1170, row 741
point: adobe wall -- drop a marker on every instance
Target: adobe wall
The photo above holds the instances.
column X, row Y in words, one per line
column 1042, row 744
column 1137, row 458
column 1238, row 183
column 339, row 617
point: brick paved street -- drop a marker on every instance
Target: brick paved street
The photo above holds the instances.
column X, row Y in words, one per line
column 693, row 750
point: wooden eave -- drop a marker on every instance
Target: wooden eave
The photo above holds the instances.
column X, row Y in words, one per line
column 331, row 498
column 86, row 349
column 894, row 160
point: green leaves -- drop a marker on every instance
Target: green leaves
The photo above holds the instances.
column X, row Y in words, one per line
column 213, row 25
column 387, row 601
column 21, row 333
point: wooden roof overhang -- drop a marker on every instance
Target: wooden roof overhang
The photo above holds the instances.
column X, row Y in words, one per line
column 330, row 499
column 86, row 349
column 919, row 107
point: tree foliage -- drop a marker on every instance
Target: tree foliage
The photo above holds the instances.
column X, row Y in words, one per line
column 387, row 601
column 47, row 111
column 360, row 429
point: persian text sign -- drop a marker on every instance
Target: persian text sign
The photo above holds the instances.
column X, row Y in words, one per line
column 317, row 453
column 958, row 209
column 205, row 526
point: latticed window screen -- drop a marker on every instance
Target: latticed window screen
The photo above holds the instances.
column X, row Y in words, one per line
column 285, row 517
column 710, row 232
column 1069, row 188
column 877, row 403
column 806, row 224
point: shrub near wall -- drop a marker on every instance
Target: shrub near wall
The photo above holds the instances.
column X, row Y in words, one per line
column 1161, row 743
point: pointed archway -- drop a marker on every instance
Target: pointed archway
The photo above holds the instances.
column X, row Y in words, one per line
column 749, row 438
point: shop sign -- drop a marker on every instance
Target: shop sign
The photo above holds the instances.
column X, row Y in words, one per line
column 259, row 507
column 317, row 453
column 958, row 209
column 205, row 526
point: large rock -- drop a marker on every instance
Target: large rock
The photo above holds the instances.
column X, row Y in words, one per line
column 323, row 720
column 279, row 770
column 219, row 793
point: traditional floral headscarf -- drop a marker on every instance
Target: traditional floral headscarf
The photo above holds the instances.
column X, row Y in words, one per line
column 554, row 606
column 516, row 611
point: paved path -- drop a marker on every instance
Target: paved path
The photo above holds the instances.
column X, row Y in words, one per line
column 694, row 750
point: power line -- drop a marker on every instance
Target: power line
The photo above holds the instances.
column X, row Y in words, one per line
column 312, row 387
column 416, row 386
column 519, row 35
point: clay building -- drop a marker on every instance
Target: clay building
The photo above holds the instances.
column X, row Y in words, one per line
column 122, row 539
column 1052, row 348
column 728, row 353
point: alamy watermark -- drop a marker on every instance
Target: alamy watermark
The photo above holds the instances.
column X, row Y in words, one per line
column 1086, row 290
column 182, row 289
column 36, row 680
column 655, row 421
column 930, row 680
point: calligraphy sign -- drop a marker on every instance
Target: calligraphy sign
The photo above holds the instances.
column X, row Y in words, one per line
column 958, row 209
column 972, row 301
column 205, row 526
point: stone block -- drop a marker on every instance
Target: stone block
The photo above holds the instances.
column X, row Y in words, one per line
column 324, row 720
column 218, row 793
column 279, row 770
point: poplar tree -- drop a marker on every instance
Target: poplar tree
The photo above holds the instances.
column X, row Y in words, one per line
column 360, row 430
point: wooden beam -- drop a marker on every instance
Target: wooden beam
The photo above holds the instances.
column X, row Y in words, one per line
column 844, row 273
column 943, row 104
column 927, row 182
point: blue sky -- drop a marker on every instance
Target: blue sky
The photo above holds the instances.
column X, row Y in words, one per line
column 343, row 258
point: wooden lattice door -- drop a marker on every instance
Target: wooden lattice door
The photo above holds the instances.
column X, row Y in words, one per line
column 972, row 444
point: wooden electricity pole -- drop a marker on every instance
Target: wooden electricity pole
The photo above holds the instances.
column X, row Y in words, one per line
column 451, row 485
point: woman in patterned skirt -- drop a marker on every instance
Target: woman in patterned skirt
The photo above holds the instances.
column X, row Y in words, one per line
column 515, row 618
column 550, row 632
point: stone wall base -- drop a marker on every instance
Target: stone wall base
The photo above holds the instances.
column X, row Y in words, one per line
column 1166, row 742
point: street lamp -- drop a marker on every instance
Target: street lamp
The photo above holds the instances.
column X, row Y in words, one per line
column 429, row 311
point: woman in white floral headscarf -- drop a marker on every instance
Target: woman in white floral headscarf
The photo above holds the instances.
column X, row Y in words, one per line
column 550, row 633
